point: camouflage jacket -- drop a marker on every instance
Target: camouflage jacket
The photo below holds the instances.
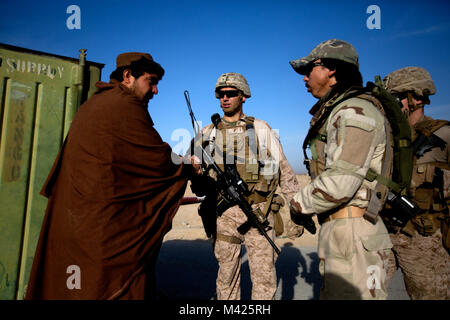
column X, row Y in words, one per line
column 424, row 186
column 430, row 183
column 355, row 141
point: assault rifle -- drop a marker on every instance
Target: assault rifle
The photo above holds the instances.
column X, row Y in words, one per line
column 404, row 209
column 230, row 185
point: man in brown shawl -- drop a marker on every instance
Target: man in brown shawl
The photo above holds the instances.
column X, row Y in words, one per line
column 113, row 191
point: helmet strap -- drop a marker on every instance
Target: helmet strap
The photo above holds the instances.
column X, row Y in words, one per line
column 411, row 105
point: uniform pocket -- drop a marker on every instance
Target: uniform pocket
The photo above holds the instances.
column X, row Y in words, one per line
column 355, row 151
column 424, row 198
column 342, row 244
column 376, row 242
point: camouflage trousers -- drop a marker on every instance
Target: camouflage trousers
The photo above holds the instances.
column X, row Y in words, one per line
column 425, row 265
column 261, row 257
column 353, row 257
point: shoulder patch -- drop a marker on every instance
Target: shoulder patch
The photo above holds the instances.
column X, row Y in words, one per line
column 358, row 110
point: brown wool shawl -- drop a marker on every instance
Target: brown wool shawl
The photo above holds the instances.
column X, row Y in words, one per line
column 112, row 194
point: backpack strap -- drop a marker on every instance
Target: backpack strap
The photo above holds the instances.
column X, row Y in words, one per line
column 378, row 199
column 383, row 185
column 400, row 134
column 398, row 152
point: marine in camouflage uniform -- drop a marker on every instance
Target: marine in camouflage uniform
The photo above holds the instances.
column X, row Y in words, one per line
column 255, row 148
column 419, row 246
column 347, row 138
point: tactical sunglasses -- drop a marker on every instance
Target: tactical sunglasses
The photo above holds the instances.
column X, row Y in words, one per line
column 228, row 93
column 310, row 66
column 404, row 95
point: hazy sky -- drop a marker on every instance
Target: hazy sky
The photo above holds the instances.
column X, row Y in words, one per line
column 197, row 40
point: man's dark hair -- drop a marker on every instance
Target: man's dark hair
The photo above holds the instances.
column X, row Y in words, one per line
column 138, row 68
column 347, row 74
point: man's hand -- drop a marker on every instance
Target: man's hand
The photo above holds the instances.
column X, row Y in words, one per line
column 293, row 230
column 196, row 165
column 301, row 219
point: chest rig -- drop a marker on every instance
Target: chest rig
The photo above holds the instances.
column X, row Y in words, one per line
column 237, row 144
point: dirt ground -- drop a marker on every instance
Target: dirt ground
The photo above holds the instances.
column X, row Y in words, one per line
column 187, row 224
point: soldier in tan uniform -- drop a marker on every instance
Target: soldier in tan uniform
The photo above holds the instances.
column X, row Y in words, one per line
column 420, row 250
column 346, row 138
column 255, row 149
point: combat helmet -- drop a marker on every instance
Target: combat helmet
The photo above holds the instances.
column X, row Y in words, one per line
column 410, row 79
column 331, row 49
column 235, row 80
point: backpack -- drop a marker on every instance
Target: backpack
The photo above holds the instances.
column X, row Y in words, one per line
column 399, row 150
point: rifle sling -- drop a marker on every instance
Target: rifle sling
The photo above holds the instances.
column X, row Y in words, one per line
column 229, row 239
column 376, row 202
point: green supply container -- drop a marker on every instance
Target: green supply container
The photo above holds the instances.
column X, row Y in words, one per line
column 40, row 94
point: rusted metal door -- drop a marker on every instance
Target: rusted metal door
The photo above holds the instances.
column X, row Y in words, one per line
column 40, row 94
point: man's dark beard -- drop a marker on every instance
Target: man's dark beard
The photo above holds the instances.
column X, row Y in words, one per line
column 148, row 96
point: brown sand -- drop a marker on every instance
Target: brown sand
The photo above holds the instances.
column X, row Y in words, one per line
column 187, row 224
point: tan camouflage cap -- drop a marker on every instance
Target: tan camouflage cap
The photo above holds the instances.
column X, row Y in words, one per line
column 410, row 79
column 235, row 80
column 331, row 49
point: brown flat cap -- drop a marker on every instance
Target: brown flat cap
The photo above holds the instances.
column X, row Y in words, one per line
column 125, row 59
